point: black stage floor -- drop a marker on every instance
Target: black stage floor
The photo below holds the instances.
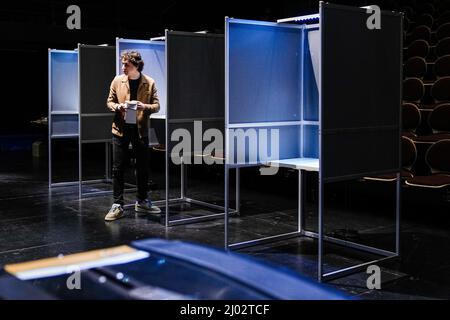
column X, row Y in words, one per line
column 36, row 223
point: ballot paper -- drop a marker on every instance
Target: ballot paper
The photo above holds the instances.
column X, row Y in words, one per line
column 130, row 116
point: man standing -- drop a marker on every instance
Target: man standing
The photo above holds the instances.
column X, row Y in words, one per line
column 134, row 86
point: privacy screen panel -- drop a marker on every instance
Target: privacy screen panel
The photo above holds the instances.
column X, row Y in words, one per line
column 311, row 76
column 195, row 75
column 263, row 144
column 361, row 92
column 64, row 124
column 64, row 81
column 96, row 128
column 311, row 141
column 97, row 70
column 197, row 134
column 264, row 72
column 373, row 151
column 247, row 145
column 153, row 54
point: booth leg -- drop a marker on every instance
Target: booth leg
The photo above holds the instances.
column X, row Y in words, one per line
column 398, row 213
column 320, row 231
column 182, row 182
column 238, row 191
column 49, row 161
column 226, row 208
column 166, row 220
column 107, row 161
column 300, row 202
column 80, row 169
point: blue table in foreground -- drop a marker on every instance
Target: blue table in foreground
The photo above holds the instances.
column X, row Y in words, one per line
column 158, row 270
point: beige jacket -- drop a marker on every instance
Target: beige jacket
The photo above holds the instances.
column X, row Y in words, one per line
column 119, row 92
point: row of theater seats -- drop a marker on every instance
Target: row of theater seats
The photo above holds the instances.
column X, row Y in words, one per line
column 421, row 48
column 430, row 13
column 426, row 86
column 417, row 67
column 426, row 29
column 438, row 120
column 426, row 94
column 437, row 158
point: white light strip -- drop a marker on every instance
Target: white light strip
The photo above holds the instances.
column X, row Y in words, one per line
column 120, row 40
column 265, row 124
column 157, row 116
column 264, row 23
column 65, row 269
column 62, row 51
column 158, row 38
column 299, row 18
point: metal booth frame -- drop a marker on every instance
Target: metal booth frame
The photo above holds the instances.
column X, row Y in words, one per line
column 309, row 165
column 79, row 182
column 162, row 41
column 183, row 198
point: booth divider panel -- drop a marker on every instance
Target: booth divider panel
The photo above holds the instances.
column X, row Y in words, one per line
column 97, row 70
column 311, row 76
column 361, row 92
column 196, row 135
column 273, row 143
column 64, row 81
column 196, row 78
column 366, row 148
column 311, row 141
column 96, row 128
column 264, row 73
column 64, row 124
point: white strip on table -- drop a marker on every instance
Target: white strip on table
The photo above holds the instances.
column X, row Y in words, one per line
column 157, row 116
column 308, row 164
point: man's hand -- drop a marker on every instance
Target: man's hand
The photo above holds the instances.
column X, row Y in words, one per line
column 140, row 106
column 121, row 107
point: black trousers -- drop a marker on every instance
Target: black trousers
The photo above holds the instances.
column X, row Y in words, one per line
column 120, row 159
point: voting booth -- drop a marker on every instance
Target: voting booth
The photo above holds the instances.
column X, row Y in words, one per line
column 321, row 97
column 79, row 83
column 96, row 71
column 188, row 68
column 63, row 103
column 195, row 108
column 153, row 53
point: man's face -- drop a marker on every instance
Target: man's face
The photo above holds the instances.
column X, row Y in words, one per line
column 128, row 67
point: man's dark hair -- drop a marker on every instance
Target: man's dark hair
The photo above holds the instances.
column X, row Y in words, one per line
column 134, row 58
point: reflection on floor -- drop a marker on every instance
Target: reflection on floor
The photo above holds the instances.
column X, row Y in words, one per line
column 36, row 223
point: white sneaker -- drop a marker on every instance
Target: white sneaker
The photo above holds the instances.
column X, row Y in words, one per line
column 146, row 207
column 116, row 212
